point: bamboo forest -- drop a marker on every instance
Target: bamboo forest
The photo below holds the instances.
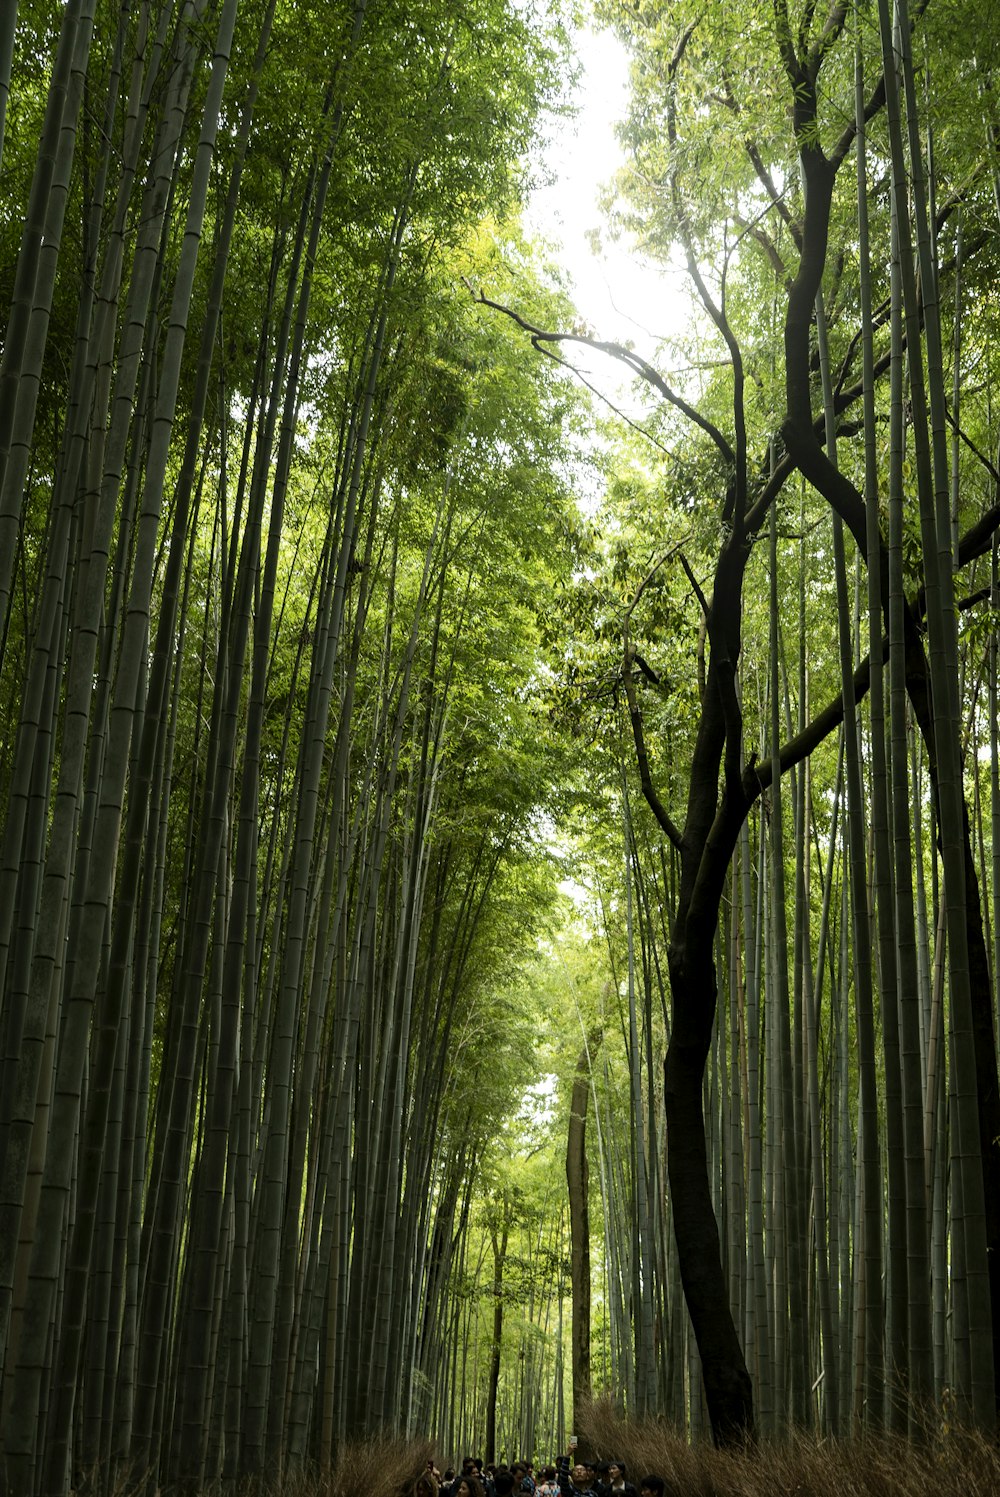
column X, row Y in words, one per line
column 499, row 815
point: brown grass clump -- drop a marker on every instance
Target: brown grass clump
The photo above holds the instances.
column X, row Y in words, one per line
column 381, row 1466
column 947, row 1464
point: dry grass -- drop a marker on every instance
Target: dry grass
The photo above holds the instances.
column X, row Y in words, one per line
column 947, row 1465
column 381, row 1466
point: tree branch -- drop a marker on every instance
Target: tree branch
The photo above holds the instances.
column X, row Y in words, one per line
column 757, row 775
column 642, row 758
column 550, row 353
column 696, row 587
column 540, row 337
column 760, row 236
column 835, row 19
column 649, row 577
column 979, row 537
column 987, row 464
column 875, row 102
column 717, row 313
column 786, row 44
column 776, row 198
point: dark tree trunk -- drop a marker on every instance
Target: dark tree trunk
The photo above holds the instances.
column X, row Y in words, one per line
column 499, row 1255
column 728, row 1390
column 987, row 1086
column 694, row 990
column 577, row 1180
column 987, row 1080
column 718, row 802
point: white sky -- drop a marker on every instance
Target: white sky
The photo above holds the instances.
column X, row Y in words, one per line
column 620, row 295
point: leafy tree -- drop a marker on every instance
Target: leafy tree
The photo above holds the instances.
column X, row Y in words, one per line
column 742, row 128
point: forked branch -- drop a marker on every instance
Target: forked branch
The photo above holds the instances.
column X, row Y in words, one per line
column 541, row 338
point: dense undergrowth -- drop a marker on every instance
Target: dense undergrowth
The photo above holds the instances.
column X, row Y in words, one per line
column 949, row 1463
column 382, row 1466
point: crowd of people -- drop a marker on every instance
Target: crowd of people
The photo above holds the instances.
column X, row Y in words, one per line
column 570, row 1476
